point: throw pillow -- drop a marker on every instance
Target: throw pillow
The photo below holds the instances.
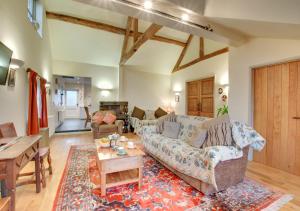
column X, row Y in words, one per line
column 109, row 118
column 171, row 129
column 198, row 137
column 138, row 113
column 219, row 132
column 98, row 117
column 171, row 117
column 160, row 112
column 149, row 115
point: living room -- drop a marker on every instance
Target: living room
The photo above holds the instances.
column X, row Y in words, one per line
column 163, row 57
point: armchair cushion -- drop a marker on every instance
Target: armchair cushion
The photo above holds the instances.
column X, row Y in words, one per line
column 109, row 118
column 98, row 117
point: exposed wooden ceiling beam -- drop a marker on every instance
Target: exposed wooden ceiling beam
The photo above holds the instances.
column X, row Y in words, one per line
column 183, row 52
column 207, row 56
column 126, row 38
column 106, row 27
column 141, row 40
column 201, row 47
column 135, row 29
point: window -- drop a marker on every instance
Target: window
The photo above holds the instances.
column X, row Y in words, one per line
column 35, row 13
column 31, row 7
column 71, row 98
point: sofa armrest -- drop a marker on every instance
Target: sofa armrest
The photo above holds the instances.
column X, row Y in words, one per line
column 222, row 153
column 120, row 125
column 244, row 136
column 133, row 120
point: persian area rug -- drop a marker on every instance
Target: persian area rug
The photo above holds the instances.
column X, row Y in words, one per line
column 161, row 190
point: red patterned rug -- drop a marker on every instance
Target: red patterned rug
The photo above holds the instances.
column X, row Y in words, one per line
column 161, row 190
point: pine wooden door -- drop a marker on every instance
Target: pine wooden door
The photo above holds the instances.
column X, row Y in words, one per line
column 200, row 97
column 277, row 115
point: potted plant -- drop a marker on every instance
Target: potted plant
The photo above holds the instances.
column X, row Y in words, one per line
column 222, row 110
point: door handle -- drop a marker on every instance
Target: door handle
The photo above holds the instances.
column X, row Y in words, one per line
column 296, row 117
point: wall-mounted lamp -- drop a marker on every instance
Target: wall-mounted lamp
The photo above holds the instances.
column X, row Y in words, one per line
column 105, row 92
column 16, row 64
column 48, row 85
column 177, row 96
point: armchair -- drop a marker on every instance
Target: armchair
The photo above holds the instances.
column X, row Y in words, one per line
column 103, row 129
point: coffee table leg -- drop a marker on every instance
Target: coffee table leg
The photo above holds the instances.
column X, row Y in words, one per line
column 140, row 177
column 103, row 184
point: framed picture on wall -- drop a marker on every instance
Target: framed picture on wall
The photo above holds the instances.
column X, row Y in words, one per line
column 11, row 78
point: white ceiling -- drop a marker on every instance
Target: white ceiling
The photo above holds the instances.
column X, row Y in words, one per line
column 71, row 42
column 76, row 43
column 274, row 11
column 257, row 18
column 233, row 20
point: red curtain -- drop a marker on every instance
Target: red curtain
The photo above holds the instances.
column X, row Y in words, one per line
column 44, row 113
column 33, row 119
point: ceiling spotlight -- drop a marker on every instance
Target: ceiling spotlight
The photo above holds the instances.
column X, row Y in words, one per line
column 147, row 5
column 185, row 17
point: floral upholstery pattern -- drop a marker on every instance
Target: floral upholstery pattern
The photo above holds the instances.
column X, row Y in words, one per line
column 189, row 125
column 197, row 162
column 245, row 135
column 137, row 124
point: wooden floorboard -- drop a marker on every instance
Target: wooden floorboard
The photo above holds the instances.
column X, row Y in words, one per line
column 27, row 199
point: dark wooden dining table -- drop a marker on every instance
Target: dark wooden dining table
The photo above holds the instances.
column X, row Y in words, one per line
column 15, row 153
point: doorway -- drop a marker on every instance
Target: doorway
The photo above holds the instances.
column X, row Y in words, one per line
column 72, row 102
column 200, row 97
column 276, row 90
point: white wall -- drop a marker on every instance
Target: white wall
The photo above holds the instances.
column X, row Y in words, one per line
column 216, row 66
column 102, row 77
column 20, row 36
column 257, row 52
column 145, row 90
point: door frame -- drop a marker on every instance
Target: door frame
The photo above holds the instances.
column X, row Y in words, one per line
column 75, row 108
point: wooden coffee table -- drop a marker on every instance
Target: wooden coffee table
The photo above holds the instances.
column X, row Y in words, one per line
column 125, row 166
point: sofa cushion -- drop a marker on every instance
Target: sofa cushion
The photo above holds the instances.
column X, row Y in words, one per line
column 138, row 113
column 160, row 112
column 171, row 129
column 189, row 125
column 149, row 115
column 171, row 117
column 198, row 137
column 219, row 132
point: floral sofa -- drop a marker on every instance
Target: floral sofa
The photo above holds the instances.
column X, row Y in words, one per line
column 209, row 169
column 137, row 124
